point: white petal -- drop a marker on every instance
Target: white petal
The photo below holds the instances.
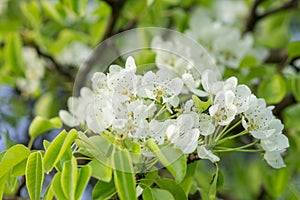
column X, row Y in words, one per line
column 68, row 119
column 274, row 159
column 275, row 143
column 206, row 128
column 207, row 154
column 189, row 142
column 172, row 133
column 130, row 64
column 175, row 86
column 262, row 134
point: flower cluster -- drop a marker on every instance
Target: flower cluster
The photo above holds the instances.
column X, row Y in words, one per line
column 155, row 105
column 34, row 72
column 223, row 40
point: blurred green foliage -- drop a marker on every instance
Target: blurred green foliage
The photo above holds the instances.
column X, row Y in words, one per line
column 43, row 43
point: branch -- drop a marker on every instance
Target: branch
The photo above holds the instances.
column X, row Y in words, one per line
column 286, row 102
column 192, row 158
column 254, row 17
column 116, row 7
column 286, row 6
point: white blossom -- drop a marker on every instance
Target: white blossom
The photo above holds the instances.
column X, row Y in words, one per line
column 242, row 98
column 161, row 86
column 183, row 134
column 223, row 109
column 274, row 159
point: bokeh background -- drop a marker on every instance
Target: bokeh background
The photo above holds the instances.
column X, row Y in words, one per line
column 43, row 43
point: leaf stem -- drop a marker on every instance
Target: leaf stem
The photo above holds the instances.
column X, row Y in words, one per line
column 240, row 149
column 232, row 137
column 226, row 131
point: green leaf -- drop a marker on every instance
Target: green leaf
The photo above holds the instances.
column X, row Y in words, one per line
column 52, row 12
column 100, row 171
column 12, row 184
column 57, row 149
column 40, row 125
column 31, row 12
column 49, row 193
column 19, row 169
column 46, row 105
column 172, row 158
column 156, row 194
column 3, row 180
column 123, row 174
column 272, row 89
column 34, row 175
column 13, row 157
column 293, row 49
column 277, row 181
column 186, row 183
column 275, row 32
column 57, row 187
column 201, row 105
column 213, row 188
column 65, row 157
column 95, row 146
column 69, row 178
column 296, row 87
column 14, row 54
column 84, row 175
column 172, row 187
column 249, row 61
column 104, row 190
column 291, row 117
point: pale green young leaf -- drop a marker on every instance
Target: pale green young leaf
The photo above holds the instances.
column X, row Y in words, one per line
column 213, row 187
column 187, row 181
column 272, row 89
column 100, row 171
column 40, row 125
column 172, row 158
column 123, row 174
column 156, row 194
column 57, row 149
column 49, row 193
column 201, row 105
column 13, row 50
column 104, row 190
column 12, row 184
column 69, row 178
column 52, row 12
column 3, row 181
column 276, row 182
column 57, row 187
column 296, row 87
column 13, row 157
column 95, row 146
column 293, row 49
column 19, row 169
column 34, row 175
column 84, row 175
column 172, row 187
column 65, row 157
column 31, row 12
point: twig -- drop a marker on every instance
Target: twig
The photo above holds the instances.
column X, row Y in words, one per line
column 254, row 17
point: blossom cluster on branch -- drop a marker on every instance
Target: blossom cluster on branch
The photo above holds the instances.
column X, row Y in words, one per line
column 164, row 106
